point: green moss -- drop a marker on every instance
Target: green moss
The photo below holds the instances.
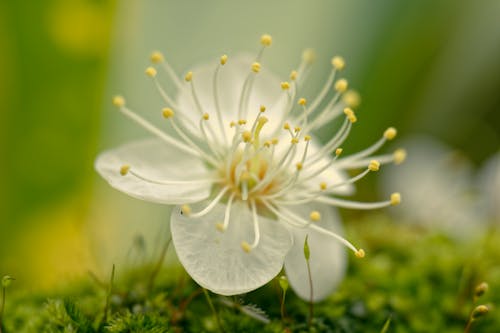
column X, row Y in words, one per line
column 423, row 282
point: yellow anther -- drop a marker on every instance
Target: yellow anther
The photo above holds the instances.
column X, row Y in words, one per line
column 246, row 247
column 245, row 176
column 285, row 85
column 246, row 136
column 360, row 253
column 390, row 133
column 206, row 116
column 374, row 165
column 275, row 141
column 220, row 227
column 315, row 216
column 223, row 59
column 395, row 199
column 267, row 143
column 348, row 111
column 294, row 141
column 309, row 56
column 118, row 101
column 266, row 40
column 242, row 122
column 150, row 71
column 262, row 120
column 262, row 108
column 341, row 85
column 307, row 138
column 297, row 129
column 399, row 156
column 350, row 115
column 185, row 210
column 338, row 63
column 351, row 98
column 167, row 113
column 293, row 75
column 299, row 166
column 156, row 57
column 256, row 67
column 124, row 169
column 302, row 101
column 322, row 186
column 338, row 151
column 188, row 77
column 232, row 124
column 286, row 126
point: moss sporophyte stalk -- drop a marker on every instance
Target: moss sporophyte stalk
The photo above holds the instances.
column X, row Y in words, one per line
column 236, row 153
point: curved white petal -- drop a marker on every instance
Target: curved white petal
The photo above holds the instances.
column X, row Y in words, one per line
column 328, row 258
column 158, row 161
column 266, row 91
column 216, row 261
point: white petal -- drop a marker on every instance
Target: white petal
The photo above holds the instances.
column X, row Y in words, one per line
column 328, row 257
column 158, row 161
column 266, row 91
column 216, row 261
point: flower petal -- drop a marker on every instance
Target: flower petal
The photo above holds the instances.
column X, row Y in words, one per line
column 266, row 91
column 328, row 257
column 158, row 161
column 216, row 261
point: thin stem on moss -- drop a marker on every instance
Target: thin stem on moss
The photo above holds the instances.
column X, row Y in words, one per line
column 214, row 312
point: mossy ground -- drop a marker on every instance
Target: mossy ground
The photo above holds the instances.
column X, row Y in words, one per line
column 423, row 282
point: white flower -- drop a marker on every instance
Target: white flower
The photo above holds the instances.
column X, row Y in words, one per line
column 249, row 180
column 438, row 188
column 489, row 187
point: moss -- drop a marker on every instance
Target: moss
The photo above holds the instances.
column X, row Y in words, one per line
column 423, row 282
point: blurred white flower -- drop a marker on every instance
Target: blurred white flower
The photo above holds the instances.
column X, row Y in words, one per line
column 438, row 187
column 489, row 187
column 249, row 180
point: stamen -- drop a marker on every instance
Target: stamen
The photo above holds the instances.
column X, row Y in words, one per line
column 338, row 63
column 156, row 131
column 190, row 142
column 223, row 60
column 227, row 214
column 341, row 85
column 158, row 58
column 355, row 204
column 211, row 205
column 127, row 169
column 247, row 247
column 358, row 252
column 389, row 134
column 315, row 216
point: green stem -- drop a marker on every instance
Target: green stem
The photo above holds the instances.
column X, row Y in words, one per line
column 283, row 307
column 2, row 307
column 157, row 268
column 311, row 304
column 108, row 296
column 214, row 312
column 467, row 328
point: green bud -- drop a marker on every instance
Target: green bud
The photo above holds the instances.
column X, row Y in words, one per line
column 481, row 289
column 283, row 283
column 479, row 311
column 6, row 281
column 307, row 253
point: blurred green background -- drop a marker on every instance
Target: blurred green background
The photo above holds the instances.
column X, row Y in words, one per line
column 423, row 66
